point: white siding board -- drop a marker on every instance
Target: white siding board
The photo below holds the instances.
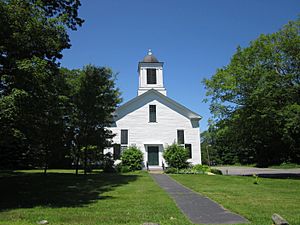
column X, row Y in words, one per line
column 135, row 118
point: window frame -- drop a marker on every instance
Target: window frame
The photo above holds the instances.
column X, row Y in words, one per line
column 151, row 113
column 178, row 137
column 127, row 137
column 116, row 156
column 151, row 76
column 190, row 150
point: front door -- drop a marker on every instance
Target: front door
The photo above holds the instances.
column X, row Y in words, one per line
column 153, row 155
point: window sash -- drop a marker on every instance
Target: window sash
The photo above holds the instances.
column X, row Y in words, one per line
column 124, row 137
column 152, row 113
column 151, row 76
column 189, row 149
column 180, row 137
column 117, row 151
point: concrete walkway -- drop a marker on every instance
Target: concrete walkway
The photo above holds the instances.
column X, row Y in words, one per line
column 199, row 209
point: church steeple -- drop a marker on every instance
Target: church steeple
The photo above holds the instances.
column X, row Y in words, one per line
column 151, row 74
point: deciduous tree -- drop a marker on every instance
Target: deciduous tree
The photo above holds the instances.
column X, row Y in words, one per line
column 256, row 98
column 32, row 36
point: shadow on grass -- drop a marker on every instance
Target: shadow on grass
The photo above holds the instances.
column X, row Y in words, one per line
column 27, row 190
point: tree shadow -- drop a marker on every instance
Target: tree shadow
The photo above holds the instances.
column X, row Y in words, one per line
column 27, row 190
column 294, row 176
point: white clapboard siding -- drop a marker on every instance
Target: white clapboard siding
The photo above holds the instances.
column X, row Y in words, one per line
column 170, row 116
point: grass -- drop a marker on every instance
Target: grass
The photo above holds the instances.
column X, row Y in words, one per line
column 255, row 202
column 63, row 198
column 134, row 198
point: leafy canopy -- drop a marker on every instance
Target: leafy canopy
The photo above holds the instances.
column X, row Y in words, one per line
column 255, row 99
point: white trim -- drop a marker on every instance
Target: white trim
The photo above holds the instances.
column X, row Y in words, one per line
column 188, row 113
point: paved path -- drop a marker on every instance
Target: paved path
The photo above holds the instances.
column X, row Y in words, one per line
column 263, row 172
column 198, row 208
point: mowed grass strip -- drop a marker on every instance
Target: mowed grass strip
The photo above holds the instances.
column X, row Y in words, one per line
column 256, row 202
column 63, row 198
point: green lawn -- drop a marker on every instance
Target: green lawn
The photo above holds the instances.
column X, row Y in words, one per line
column 63, row 198
column 255, row 202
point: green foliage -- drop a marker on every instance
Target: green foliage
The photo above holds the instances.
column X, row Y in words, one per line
column 122, row 169
column 132, row 159
column 93, row 99
column 48, row 116
column 176, row 156
column 196, row 169
column 256, row 101
column 108, row 163
column 201, row 168
column 171, row 170
column 216, row 171
column 255, row 179
column 286, row 166
column 32, row 36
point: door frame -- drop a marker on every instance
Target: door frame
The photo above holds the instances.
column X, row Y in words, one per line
column 157, row 146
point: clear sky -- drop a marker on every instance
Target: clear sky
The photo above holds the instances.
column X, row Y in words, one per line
column 192, row 37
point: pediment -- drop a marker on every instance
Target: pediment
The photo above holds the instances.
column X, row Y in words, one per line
column 149, row 96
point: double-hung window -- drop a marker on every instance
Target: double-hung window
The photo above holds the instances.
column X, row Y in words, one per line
column 124, row 137
column 152, row 113
column 188, row 147
column 180, row 137
column 181, row 142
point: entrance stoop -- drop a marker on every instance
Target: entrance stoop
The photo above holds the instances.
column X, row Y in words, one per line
column 155, row 169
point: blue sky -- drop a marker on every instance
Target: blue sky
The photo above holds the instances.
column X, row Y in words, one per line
column 192, row 37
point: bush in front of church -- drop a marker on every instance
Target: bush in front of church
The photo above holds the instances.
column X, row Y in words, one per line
column 176, row 156
column 132, row 158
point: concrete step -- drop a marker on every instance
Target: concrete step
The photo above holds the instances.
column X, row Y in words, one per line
column 155, row 169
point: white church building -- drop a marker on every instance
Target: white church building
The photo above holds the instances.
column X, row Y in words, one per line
column 152, row 121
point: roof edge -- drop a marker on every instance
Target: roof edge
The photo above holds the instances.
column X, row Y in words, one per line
column 196, row 115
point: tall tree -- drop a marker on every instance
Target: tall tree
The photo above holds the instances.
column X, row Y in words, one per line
column 32, row 36
column 256, row 98
column 94, row 99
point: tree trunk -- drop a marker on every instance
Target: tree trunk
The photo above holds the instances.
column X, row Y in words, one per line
column 46, row 163
column 45, row 168
column 85, row 160
column 76, row 164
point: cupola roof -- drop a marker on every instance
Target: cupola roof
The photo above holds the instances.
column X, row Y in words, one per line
column 150, row 58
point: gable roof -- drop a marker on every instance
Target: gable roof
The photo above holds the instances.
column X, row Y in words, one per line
column 184, row 111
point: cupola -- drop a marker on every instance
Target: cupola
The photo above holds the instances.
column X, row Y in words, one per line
column 151, row 74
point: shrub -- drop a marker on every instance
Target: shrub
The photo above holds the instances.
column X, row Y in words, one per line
column 124, row 169
column 171, row 170
column 201, row 168
column 216, row 171
column 255, row 181
column 176, row 156
column 120, row 168
column 197, row 169
column 132, row 157
column 108, row 163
